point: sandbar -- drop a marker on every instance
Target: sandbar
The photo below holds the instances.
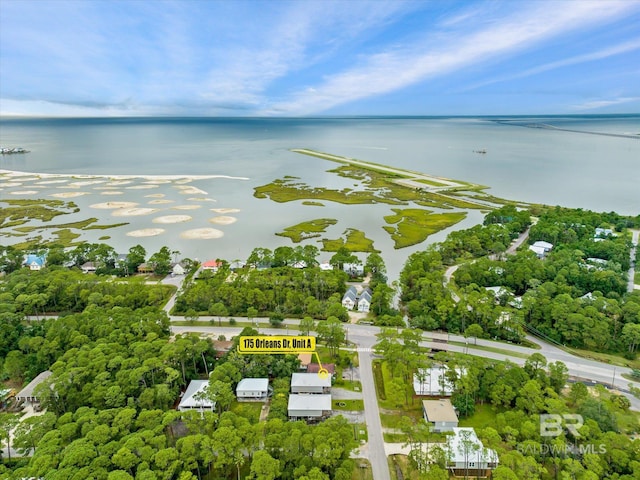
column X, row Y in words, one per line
column 141, row 187
column 155, row 195
column 201, row 199
column 120, row 182
column 146, row 232
column 110, row 205
column 187, row 207
column 202, row 234
column 188, row 190
column 172, row 219
column 225, row 210
column 50, row 182
column 179, row 179
column 10, row 184
column 23, row 192
column 223, row 220
column 86, row 182
column 68, row 194
column 160, row 202
column 132, row 212
column 111, row 192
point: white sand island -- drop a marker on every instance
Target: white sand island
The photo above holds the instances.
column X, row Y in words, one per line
column 172, row 219
column 223, row 220
column 146, row 232
column 202, row 234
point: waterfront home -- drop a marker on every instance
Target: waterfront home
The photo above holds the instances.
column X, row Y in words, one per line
column 350, row 298
column 177, row 269
column 34, row 262
column 211, row 265
column 364, row 300
column 353, row 269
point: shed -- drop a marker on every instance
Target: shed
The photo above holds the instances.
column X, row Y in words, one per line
column 252, row 389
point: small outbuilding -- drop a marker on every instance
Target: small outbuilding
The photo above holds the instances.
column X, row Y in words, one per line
column 252, row 389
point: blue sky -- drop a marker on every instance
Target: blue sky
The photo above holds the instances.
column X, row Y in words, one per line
column 306, row 58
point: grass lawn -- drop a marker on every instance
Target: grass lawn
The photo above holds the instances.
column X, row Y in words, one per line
column 248, row 410
column 483, row 417
column 348, row 405
column 305, row 230
column 353, row 386
column 362, row 470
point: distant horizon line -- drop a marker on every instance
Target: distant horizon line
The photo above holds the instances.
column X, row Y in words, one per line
column 314, row 117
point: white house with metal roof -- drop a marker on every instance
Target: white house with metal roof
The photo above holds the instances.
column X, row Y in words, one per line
column 310, row 383
column 309, row 407
column 433, row 381
column 252, row 389
column 193, row 397
column 27, row 394
column 468, row 457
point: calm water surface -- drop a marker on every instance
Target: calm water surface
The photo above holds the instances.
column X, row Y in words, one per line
column 535, row 165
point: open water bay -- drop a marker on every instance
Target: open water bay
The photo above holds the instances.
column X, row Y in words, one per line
column 543, row 165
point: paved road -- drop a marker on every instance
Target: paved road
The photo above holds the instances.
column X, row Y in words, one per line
column 377, row 454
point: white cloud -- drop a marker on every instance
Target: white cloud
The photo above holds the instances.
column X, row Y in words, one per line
column 396, row 69
column 597, row 104
column 588, row 57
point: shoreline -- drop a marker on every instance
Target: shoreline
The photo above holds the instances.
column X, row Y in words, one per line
column 18, row 173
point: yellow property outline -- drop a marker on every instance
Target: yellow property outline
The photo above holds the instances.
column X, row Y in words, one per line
column 322, row 372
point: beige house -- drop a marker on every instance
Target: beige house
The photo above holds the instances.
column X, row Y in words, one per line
column 440, row 415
